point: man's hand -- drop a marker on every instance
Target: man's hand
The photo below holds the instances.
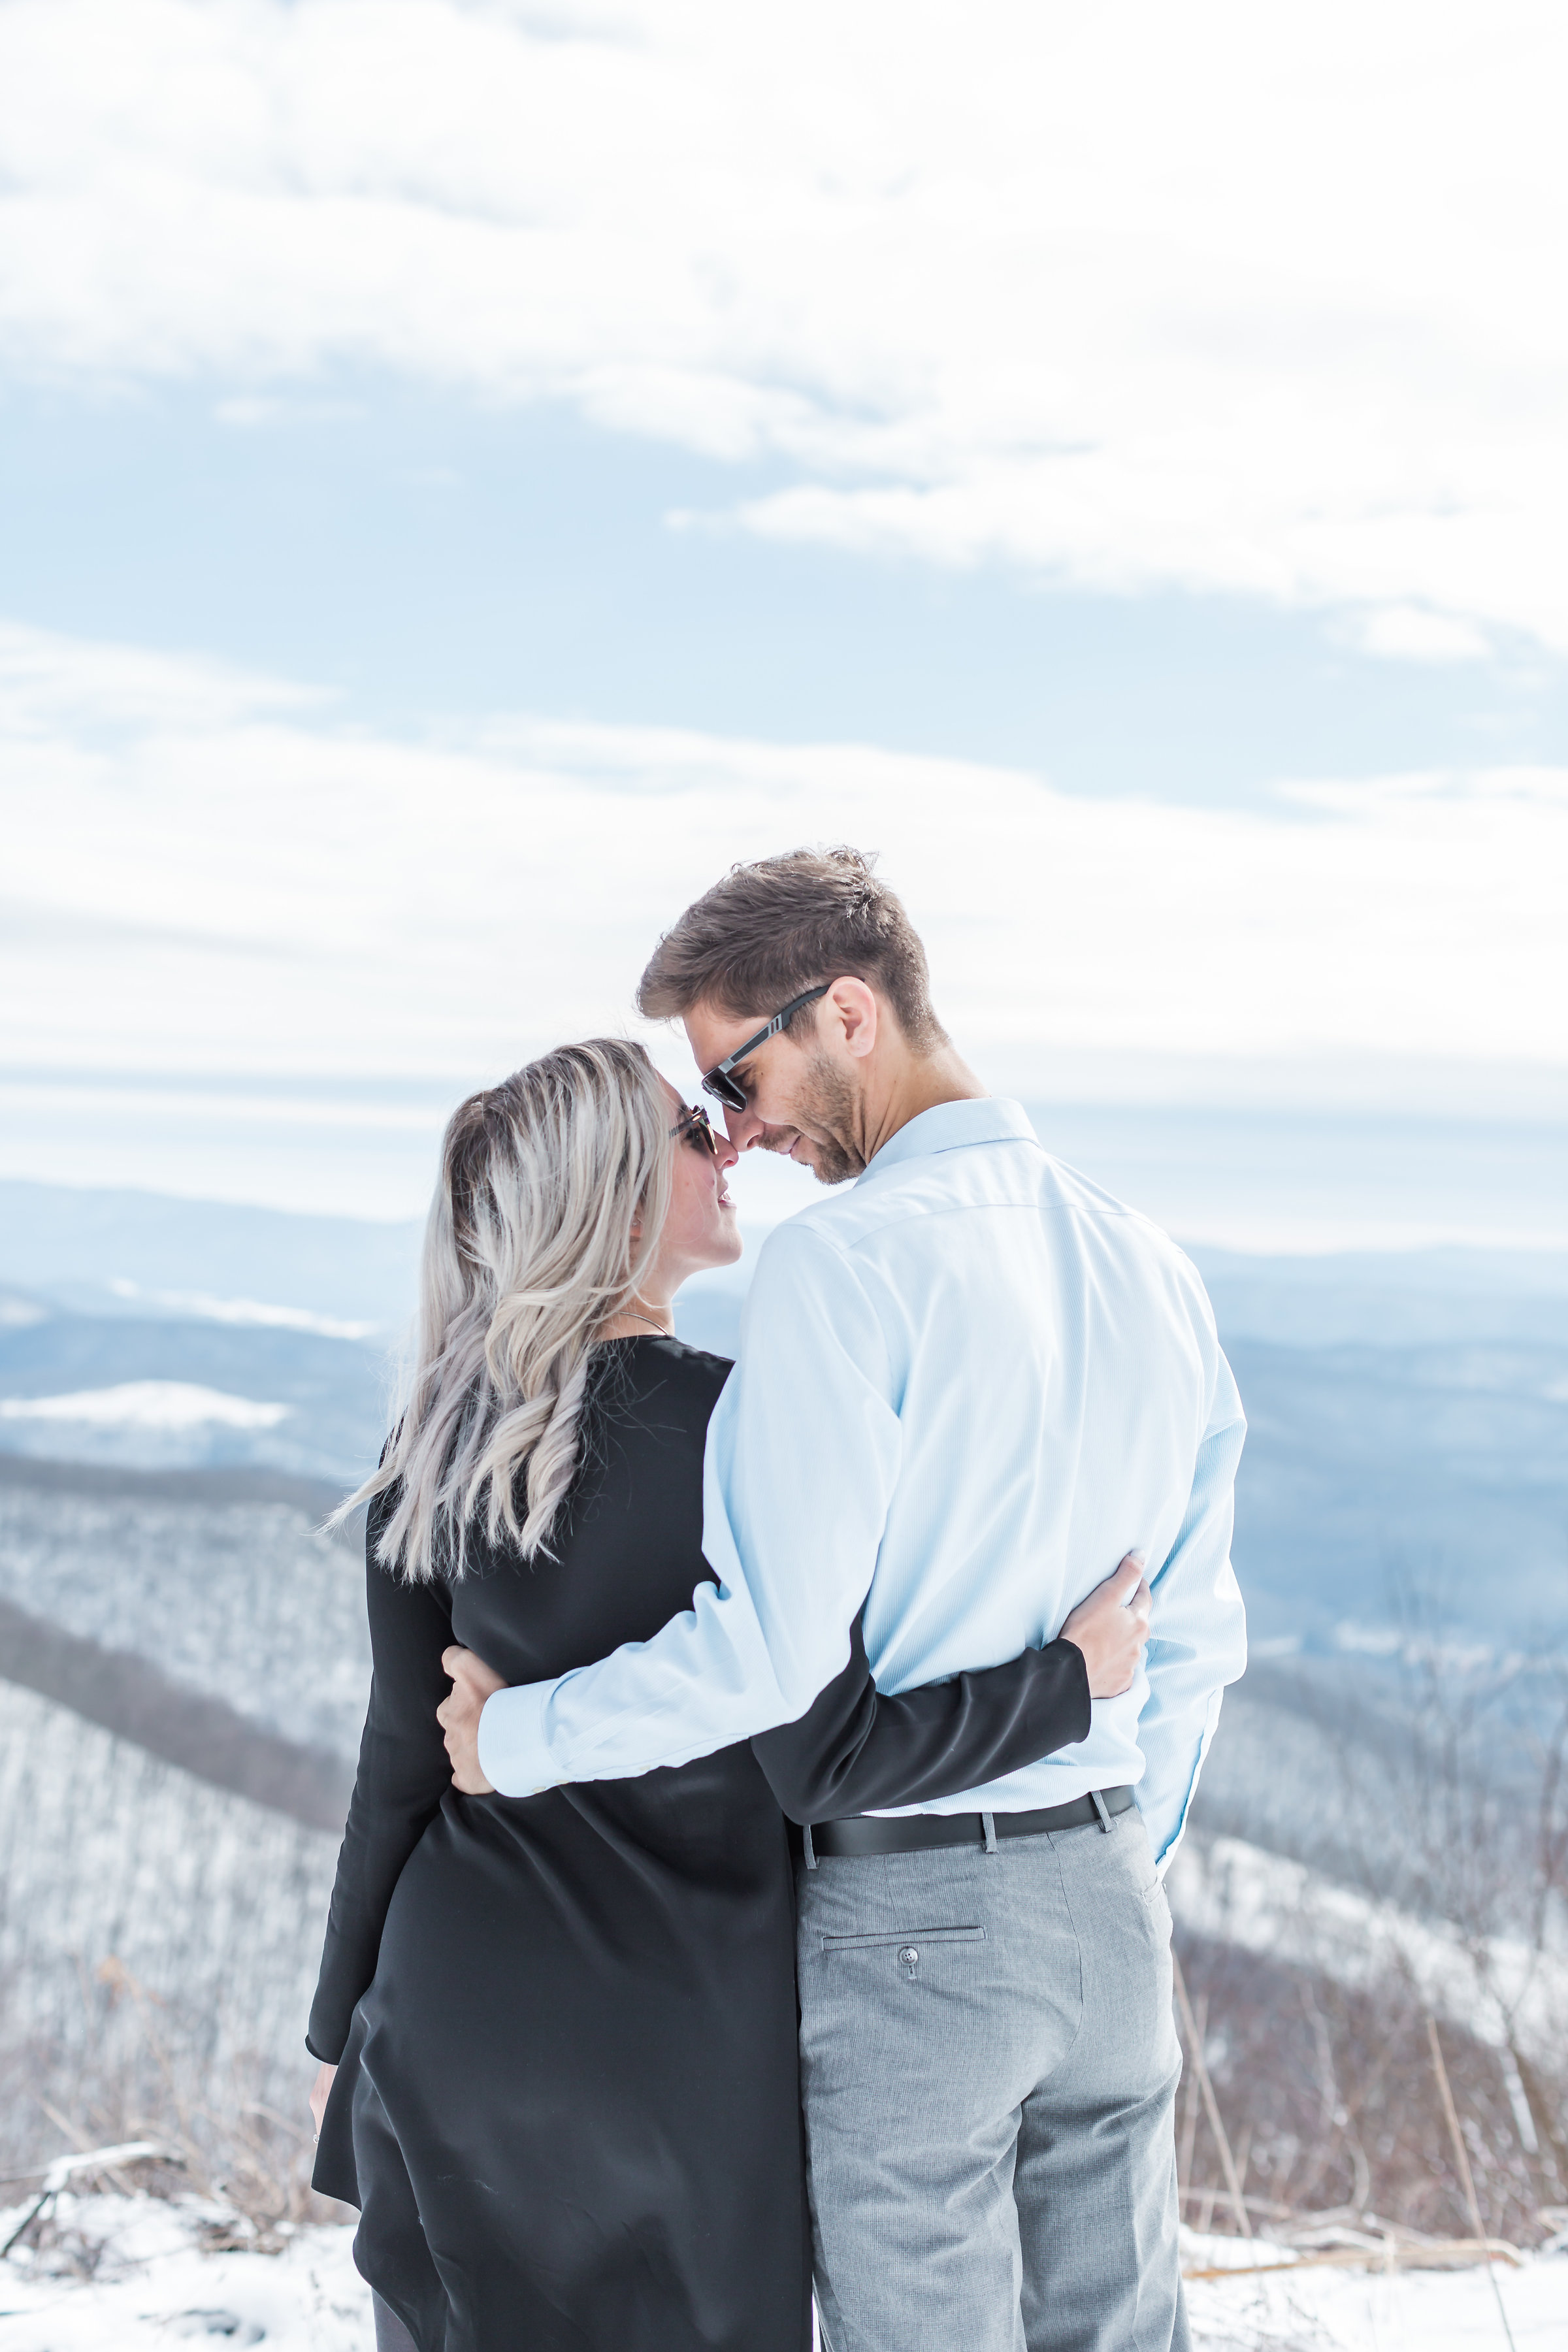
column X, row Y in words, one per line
column 1110, row 1628
column 458, row 1717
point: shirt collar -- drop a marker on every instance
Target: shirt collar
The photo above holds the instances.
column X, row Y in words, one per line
column 953, row 1126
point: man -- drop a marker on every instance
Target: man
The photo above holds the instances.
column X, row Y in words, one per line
column 965, row 1385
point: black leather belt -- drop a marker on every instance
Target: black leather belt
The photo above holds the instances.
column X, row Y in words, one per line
column 912, row 1833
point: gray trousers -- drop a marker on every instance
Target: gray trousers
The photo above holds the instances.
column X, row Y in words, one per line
column 391, row 2336
column 989, row 2061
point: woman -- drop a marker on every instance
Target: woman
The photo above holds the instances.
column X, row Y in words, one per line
column 558, row 2033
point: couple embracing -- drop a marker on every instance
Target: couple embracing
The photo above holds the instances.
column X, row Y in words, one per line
column 754, row 1876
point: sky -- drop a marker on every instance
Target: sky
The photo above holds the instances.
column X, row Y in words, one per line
column 468, row 472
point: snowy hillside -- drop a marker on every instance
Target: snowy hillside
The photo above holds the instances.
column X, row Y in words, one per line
column 240, row 1597
column 146, row 1912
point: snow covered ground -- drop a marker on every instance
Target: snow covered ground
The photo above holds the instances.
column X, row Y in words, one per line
column 154, row 2286
column 1342, row 2310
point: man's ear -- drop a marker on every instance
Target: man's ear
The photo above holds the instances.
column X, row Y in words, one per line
column 852, row 1009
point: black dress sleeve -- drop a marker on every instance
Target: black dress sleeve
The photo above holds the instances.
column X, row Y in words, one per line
column 404, row 1773
column 856, row 1749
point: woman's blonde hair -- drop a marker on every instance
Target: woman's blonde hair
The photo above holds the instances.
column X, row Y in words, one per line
column 528, row 1249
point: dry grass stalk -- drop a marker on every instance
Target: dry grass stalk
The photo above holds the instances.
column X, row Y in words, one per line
column 1434, row 2254
column 1196, row 2050
column 1337, row 2087
column 1463, row 2161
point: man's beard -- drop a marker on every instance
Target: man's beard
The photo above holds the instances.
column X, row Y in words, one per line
column 827, row 1099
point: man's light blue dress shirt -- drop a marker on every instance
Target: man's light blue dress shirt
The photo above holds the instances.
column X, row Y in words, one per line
column 969, row 1383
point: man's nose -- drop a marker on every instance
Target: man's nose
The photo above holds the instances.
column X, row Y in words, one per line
column 743, row 1127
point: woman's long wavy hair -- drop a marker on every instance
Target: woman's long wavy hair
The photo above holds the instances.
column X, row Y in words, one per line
column 529, row 1247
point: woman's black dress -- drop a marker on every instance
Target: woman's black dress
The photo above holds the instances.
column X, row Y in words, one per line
column 566, row 2102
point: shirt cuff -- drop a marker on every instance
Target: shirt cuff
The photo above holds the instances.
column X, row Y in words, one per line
column 514, row 1755
column 1069, row 1734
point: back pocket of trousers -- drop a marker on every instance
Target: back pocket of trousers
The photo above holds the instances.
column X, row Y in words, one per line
column 905, row 1936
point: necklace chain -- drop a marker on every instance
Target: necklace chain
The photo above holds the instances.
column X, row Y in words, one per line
column 661, row 1329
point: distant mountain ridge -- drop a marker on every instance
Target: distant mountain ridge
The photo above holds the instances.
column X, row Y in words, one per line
column 1408, row 1412
column 335, row 1393
column 71, row 1244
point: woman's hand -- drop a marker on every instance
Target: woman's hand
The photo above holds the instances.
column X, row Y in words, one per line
column 318, row 2091
column 458, row 1717
column 1110, row 1628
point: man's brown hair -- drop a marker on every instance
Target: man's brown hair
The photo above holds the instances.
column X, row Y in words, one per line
column 779, row 925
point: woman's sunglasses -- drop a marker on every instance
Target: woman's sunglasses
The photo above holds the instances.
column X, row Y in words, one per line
column 695, row 1127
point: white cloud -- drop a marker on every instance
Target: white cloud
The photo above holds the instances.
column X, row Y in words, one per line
column 48, row 682
column 1229, row 298
column 1408, row 632
column 222, row 887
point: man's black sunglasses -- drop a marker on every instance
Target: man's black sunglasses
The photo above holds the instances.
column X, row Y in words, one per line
column 718, row 1081
column 695, row 1127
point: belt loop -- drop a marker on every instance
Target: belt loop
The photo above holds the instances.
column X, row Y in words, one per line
column 810, row 1849
column 1097, row 1802
column 988, row 1824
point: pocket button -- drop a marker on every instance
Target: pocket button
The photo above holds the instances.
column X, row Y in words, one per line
column 910, row 1953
